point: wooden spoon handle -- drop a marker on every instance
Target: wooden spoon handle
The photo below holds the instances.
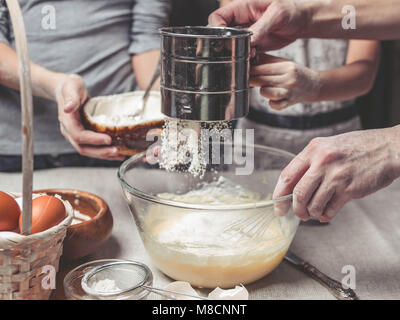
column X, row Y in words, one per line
column 27, row 113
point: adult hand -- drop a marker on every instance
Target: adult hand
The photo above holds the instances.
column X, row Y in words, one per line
column 284, row 82
column 274, row 23
column 329, row 172
column 71, row 94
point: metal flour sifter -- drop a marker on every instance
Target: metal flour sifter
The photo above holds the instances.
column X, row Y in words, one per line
column 205, row 73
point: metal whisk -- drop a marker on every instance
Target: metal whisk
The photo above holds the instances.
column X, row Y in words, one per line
column 253, row 227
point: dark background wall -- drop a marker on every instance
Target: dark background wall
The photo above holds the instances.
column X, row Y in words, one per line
column 395, row 101
column 192, row 12
column 381, row 107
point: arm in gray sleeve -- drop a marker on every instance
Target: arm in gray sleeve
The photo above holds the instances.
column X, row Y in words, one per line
column 148, row 16
column 4, row 24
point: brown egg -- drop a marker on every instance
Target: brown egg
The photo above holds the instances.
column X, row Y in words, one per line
column 9, row 212
column 47, row 212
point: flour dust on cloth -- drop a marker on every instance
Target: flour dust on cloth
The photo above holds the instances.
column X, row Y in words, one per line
column 317, row 54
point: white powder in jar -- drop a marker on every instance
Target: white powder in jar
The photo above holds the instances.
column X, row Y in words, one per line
column 105, row 286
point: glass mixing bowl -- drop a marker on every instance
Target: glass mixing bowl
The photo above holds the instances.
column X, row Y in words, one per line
column 212, row 239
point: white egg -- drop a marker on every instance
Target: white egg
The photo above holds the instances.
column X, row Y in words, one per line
column 238, row 293
column 181, row 287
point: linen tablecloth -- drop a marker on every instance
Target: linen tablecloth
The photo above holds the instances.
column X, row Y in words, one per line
column 366, row 235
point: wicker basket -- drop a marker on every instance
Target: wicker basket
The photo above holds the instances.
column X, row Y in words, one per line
column 22, row 259
column 23, row 256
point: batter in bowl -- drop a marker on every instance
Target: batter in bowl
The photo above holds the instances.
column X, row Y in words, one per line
column 199, row 247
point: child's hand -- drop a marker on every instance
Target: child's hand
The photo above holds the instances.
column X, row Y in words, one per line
column 284, row 82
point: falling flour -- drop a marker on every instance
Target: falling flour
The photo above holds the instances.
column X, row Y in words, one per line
column 183, row 145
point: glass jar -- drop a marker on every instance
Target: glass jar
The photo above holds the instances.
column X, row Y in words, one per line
column 108, row 279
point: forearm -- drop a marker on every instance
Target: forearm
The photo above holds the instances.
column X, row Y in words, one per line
column 374, row 20
column 44, row 82
column 144, row 65
column 347, row 82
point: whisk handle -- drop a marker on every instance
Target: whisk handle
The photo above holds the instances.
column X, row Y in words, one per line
column 332, row 285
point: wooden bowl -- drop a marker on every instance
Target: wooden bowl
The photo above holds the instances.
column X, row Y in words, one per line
column 85, row 237
column 130, row 136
